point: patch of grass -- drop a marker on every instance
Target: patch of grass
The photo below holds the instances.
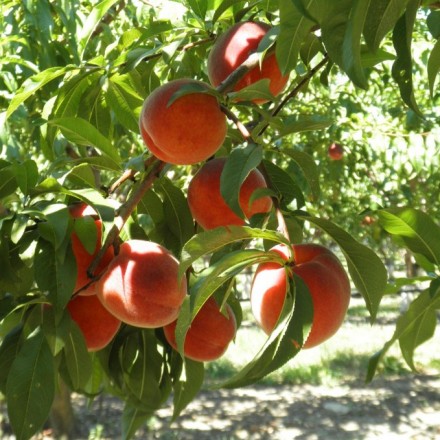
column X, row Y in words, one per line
column 220, row 369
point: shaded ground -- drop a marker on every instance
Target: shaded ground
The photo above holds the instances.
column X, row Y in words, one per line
column 392, row 408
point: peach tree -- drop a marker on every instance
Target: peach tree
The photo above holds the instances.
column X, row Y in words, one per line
column 84, row 123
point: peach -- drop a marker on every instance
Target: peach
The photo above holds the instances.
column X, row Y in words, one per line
column 323, row 274
column 209, row 335
column 233, row 47
column 189, row 130
column 82, row 257
column 141, row 286
column 336, row 151
column 96, row 324
column 209, row 208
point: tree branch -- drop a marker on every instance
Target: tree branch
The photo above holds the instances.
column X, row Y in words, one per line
column 124, row 213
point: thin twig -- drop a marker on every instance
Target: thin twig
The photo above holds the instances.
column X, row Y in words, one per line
column 129, row 175
column 297, row 89
column 240, row 126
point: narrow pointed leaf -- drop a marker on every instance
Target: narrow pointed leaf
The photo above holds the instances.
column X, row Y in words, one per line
column 366, row 269
column 433, row 66
column 402, row 67
column 209, row 242
column 82, row 132
column 381, row 18
column 417, row 229
column 30, row 388
column 238, row 166
column 294, row 28
column 35, row 83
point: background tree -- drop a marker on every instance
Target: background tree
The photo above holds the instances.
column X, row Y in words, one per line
column 73, row 80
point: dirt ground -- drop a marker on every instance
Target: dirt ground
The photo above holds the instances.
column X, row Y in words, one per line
column 389, row 408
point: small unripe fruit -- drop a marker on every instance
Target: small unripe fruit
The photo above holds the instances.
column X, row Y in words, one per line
column 189, row 130
column 209, row 335
column 209, row 208
column 141, row 285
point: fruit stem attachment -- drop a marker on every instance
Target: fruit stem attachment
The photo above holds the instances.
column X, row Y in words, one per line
column 124, row 213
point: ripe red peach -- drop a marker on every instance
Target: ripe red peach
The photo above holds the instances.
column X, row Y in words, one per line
column 96, row 324
column 82, row 256
column 209, row 208
column 141, row 285
column 336, row 151
column 325, row 278
column 233, row 47
column 189, row 130
column 209, row 335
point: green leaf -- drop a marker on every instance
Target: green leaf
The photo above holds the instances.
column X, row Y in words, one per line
column 366, row 269
column 413, row 328
column 30, row 388
column 82, row 175
column 82, row 132
column 402, row 67
column 132, row 419
column 188, row 386
column 230, row 265
column 55, row 228
column 433, row 66
column 199, row 7
column 351, row 46
column 34, row 83
column 294, row 28
column 369, row 59
column 301, row 123
column 284, row 342
column 87, row 232
column 77, row 359
column 309, row 168
column 284, row 186
column 190, row 88
column 213, row 278
column 56, row 329
column 55, row 274
column 151, row 204
column 211, row 241
column 258, row 90
column 381, row 18
column 27, row 175
column 124, row 101
column 93, row 19
column 334, row 19
column 433, row 22
column 224, row 6
column 176, row 210
column 9, row 348
column 8, row 181
column 239, row 164
column 421, row 320
column 143, row 374
column 417, row 229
